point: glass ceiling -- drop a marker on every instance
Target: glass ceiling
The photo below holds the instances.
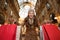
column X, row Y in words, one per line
column 24, row 7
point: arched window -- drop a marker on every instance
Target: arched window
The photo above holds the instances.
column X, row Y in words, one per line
column 25, row 5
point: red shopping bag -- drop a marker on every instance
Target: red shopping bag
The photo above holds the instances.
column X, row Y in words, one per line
column 8, row 32
column 51, row 32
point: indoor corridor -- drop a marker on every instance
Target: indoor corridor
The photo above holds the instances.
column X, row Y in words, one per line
column 29, row 19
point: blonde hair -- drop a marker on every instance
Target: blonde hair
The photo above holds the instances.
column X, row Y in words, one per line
column 32, row 10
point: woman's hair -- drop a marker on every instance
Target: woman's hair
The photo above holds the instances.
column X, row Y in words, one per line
column 35, row 20
column 32, row 10
column 2, row 18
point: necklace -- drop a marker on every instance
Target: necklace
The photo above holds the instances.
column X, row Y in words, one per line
column 30, row 21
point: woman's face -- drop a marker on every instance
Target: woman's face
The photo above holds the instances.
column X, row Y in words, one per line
column 31, row 14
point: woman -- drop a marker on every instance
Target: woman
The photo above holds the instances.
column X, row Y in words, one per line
column 31, row 24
